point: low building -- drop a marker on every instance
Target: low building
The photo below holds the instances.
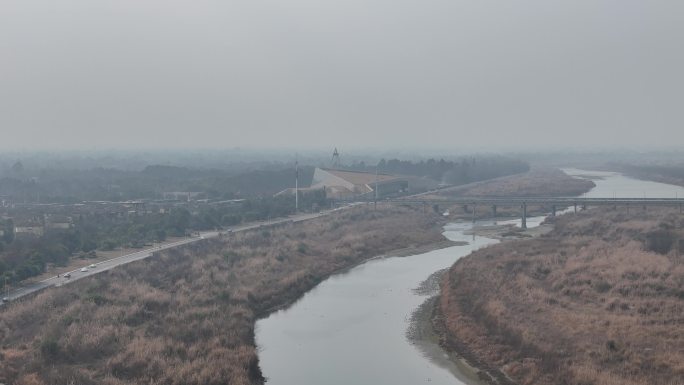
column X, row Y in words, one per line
column 27, row 230
column 58, row 222
column 181, row 195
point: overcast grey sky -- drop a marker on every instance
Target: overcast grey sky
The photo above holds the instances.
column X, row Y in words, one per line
column 385, row 73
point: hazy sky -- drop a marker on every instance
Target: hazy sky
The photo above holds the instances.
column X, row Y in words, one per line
column 386, row 73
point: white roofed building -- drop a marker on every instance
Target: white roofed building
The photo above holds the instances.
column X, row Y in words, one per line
column 342, row 184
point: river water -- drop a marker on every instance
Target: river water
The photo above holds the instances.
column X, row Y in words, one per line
column 615, row 185
column 351, row 329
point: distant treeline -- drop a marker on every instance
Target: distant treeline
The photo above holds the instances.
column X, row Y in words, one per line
column 68, row 186
column 454, row 172
column 75, row 185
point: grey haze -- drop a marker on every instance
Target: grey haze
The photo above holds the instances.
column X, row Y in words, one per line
column 383, row 73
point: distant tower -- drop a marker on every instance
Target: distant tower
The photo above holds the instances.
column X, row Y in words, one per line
column 336, row 159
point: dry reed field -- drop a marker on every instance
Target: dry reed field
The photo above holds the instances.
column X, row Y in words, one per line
column 186, row 316
column 536, row 182
column 598, row 301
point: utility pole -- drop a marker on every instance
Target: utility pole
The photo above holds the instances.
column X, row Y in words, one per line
column 375, row 201
column 296, row 185
column 474, row 212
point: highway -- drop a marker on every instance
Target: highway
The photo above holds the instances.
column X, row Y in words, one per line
column 109, row 264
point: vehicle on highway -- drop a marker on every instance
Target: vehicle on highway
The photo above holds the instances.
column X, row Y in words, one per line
column 92, row 266
column 84, row 269
column 5, row 299
column 67, row 275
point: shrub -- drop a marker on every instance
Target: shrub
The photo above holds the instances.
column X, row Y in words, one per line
column 660, row 241
column 49, row 348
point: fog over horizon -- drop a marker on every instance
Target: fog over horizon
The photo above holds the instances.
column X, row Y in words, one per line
column 354, row 73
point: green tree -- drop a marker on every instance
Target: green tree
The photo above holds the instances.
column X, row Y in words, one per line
column 8, row 235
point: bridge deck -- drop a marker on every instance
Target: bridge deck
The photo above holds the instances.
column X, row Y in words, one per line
column 514, row 201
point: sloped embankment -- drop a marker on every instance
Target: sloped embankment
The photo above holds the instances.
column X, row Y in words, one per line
column 599, row 300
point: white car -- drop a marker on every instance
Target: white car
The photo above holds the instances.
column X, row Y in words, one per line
column 84, row 269
column 5, row 299
column 92, row 266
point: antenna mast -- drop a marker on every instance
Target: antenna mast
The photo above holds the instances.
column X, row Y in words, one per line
column 336, row 159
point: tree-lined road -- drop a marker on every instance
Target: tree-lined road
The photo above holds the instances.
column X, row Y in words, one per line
column 99, row 267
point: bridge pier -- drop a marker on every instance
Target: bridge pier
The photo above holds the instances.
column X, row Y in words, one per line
column 469, row 204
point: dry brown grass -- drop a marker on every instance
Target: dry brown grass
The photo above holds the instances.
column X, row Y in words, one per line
column 536, row 182
column 187, row 316
column 589, row 303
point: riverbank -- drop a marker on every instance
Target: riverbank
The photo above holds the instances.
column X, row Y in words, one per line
column 510, row 232
column 427, row 338
column 596, row 300
column 187, row 316
column 427, row 330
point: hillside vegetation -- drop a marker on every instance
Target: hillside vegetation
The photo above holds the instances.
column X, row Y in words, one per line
column 187, row 316
column 599, row 300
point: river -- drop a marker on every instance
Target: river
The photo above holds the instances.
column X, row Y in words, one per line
column 351, row 328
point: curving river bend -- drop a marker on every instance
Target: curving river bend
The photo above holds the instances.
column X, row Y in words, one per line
column 351, row 328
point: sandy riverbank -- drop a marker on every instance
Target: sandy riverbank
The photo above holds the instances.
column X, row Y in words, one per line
column 427, row 332
column 509, row 232
column 425, row 337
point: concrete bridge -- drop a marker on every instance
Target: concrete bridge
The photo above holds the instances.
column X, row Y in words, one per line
column 553, row 202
